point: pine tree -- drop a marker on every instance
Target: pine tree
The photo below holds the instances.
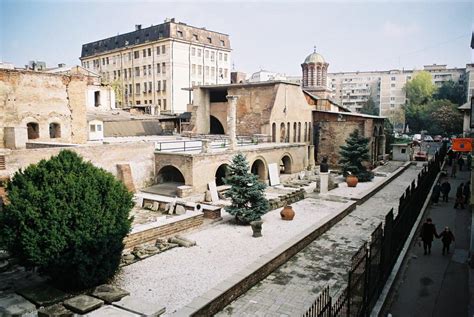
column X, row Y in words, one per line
column 353, row 154
column 246, row 192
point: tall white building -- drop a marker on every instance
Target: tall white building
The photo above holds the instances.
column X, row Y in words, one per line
column 155, row 65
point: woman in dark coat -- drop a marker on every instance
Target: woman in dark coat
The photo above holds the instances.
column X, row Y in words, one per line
column 427, row 234
column 446, row 237
column 459, row 197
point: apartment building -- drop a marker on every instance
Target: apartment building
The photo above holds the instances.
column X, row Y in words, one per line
column 353, row 89
column 157, row 65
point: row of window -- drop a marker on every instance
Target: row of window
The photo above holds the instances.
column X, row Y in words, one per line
column 146, row 52
column 147, row 87
column 161, row 103
column 180, row 34
column 208, row 71
column 208, row 54
column 33, row 132
column 296, row 135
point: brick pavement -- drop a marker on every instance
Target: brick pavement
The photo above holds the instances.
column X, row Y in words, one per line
column 292, row 288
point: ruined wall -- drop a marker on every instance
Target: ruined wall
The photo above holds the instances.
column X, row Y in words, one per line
column 219, row 110
column 42, row 98
column 140, row 156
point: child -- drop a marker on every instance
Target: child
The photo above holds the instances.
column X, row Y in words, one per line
column 446, row 237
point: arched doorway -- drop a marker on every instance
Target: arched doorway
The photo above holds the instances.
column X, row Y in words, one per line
column 216, row 126
column 222, row 173
column 274, row 131
column 285, row 165
column 54, row 130
column 258, row 168
column 33, row 130
column 170, row 174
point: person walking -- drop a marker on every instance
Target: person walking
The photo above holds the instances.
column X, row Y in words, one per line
column 450, row 157
column 445, row 189
column 459, row 196
column 469, row 161
column 460, row 162
column 454, row 169
column 467, row 193
column 436, row 193
column 427, row 234
column 446, row 237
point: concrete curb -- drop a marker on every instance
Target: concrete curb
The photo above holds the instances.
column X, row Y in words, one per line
column 225, row 292
column 380, row 304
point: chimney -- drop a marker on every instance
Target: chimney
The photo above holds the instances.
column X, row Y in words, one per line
column 138, row 27
column 61, row 65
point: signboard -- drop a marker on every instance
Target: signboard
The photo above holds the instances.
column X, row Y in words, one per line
column 462, row 144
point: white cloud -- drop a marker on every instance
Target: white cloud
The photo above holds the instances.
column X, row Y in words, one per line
column 399, row 30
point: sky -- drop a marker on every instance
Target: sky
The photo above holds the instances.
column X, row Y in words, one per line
column 270, row 35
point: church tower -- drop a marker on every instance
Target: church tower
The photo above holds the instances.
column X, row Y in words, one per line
column 315, row 70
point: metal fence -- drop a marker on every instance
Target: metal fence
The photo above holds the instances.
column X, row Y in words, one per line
column 372, row 264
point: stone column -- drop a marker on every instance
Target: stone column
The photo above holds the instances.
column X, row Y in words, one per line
column 231, row 119
column 324, row 183
column 206, row 146
column 311, row 156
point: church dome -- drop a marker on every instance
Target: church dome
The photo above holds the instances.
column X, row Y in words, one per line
column 314, row 58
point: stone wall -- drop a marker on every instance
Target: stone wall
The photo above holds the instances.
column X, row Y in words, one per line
column 42, row 98
column 139, row 155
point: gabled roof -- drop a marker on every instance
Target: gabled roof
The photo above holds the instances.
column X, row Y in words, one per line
column 314, row 97
column 466, row 106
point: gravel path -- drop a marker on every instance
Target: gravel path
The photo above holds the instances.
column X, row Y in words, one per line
column 293, row 287
column 175, row 277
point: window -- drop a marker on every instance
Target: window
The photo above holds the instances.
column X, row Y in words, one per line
column 137, row 89
column 144, row 52
column 54, row 130
column 158, row 68
column 193, row 69
column 403, row 151
column 392, row 98
column 32, row 130
column 163, row 49
column 157, row 50
column 213, row 71
column 164, row 85
column 393, row 78
column 164, row 104
column 149, row 69
column 206, row 54
column 199, row 69
column 213, row 55
column 97, row 98
column 92, row 128
column 136, row 54
column 220, row 56
column 163, row 68
column 193, row 51
column 180, row 33
column 149, row 52
column 158, row 85
column 222, row 43
column 144, row 88
column 225, row 72
column 209, row 40
column 138, row 102
column 207, row 71
column 107, row 60
column 129, row 56
column 144, row 70
column 118, row 73
column 195, row 37
column 225, row 57
column 99, row 127
column 137, row 71
column 392, row 85
column 115, row 75
column 159, row 103
column 149, row 86
column 392, row 105
column 199, row 52
column 146, row 102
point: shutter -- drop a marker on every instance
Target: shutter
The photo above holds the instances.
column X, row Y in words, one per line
column 2, row 162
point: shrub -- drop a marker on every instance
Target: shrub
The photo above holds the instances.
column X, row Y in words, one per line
column 247, row 193
column 353, row 153
column 68, row 218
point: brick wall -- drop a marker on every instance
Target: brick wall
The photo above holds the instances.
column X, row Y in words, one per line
column 167, row 230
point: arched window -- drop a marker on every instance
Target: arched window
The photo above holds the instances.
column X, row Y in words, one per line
column 288, row 130
column 305, row 131
column 54, row 130
column 299, row 131
column 295, row 133
column 274, row 128
column 33, row 130
column 282, row 132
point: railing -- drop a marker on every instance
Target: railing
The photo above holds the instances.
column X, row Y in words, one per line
column 373, row 262
column 216, row 142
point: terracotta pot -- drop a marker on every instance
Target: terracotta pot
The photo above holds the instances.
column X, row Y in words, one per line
column 351, row 181
column 287, row 213
column 256, row 228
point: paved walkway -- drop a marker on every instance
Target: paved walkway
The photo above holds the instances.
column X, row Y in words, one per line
column 437, row 285
column 292, row 288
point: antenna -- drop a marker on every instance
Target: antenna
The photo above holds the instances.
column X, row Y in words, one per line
column 315, row 49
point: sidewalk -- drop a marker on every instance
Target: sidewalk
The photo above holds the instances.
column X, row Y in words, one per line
column 437, row 285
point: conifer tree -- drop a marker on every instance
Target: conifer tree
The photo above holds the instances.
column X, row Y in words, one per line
column 246, row 192
column 353, row 153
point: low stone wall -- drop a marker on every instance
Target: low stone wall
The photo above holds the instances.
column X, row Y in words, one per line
column 163, row 231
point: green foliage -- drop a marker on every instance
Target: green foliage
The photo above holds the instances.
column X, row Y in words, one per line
column 452, row 91
column 420, row 88
column 68, row 218
column 353, row 153
column 370, row 108
column 247, row 193
column 444, row 117
column 417, row 116
column 389, row 135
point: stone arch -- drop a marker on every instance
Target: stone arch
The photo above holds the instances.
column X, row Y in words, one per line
column 221, row 172
column 32, row 130
column 274, row 130
column 54, row 130
column 216, row 126
column 170, row 174
column 282, row 132
column 299, row 131
column 286, row 163
column 259, row 168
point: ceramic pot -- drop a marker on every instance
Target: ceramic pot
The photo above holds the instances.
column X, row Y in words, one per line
column 256, row 228
column 351, row 181
column 287, row 213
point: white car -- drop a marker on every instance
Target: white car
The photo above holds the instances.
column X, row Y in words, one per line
column 417, row 137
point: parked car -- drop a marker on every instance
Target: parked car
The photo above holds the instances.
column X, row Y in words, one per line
column 428, row 138
column 417, row 137
column 421, row 156
column 438, row 138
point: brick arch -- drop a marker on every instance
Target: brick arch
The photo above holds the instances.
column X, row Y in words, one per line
column 170, row 173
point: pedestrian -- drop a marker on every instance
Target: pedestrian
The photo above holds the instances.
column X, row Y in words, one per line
column 454, row 169
column 436, row 193
column 469, row 161
column 459, row 196
column 450, row 157
column 446, row 237
column 427, row 234
column 460, row 162
column 467, row 193
column 445, row 189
